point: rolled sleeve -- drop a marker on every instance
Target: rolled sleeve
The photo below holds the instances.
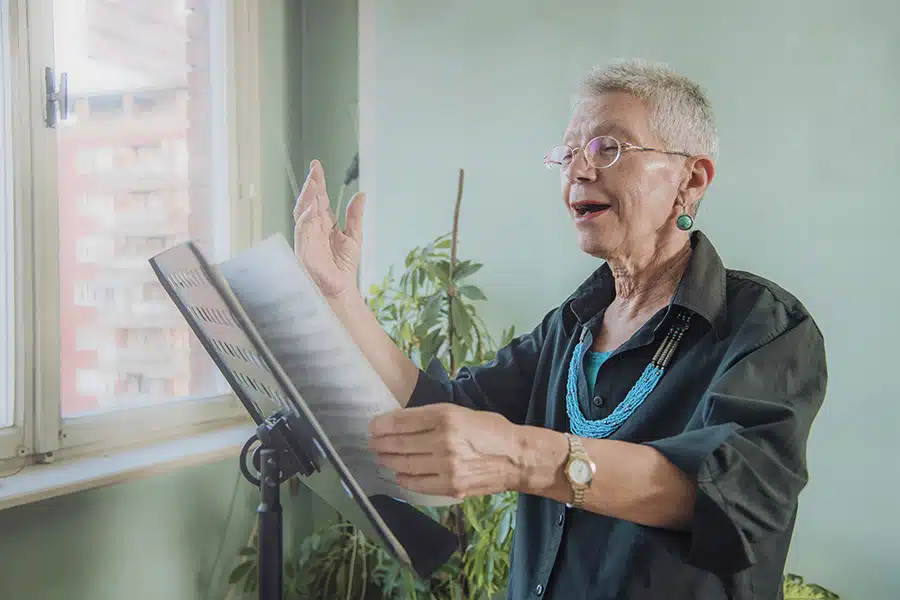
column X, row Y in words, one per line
column 502, row 385
column 748, row 456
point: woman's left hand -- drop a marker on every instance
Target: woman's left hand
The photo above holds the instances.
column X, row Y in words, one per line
column 448, row 450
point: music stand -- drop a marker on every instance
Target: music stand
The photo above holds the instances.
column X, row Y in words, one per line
column 291, row 441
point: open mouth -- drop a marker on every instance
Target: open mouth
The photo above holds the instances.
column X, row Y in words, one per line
column 589, row 209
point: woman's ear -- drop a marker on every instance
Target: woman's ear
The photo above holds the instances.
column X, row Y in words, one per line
column 700, row 171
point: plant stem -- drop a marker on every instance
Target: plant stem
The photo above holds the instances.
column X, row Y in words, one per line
column 365, row 569
column 459, row 523
column 451, row 292
column 352, row 565
column 453, row 243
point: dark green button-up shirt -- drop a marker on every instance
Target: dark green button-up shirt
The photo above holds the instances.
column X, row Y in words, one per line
column 733, row 410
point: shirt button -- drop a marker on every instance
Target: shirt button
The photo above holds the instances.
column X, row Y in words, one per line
column 559, row 519
column 598, row 401
column 539, row 589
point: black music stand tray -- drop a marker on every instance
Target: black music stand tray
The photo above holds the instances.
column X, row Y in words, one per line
column 291, row 441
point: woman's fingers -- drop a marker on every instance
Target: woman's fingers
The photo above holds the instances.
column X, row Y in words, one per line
column 308, row 196
column 300, row 226
column 355, row 211
column 314, row 192
column 317, row 173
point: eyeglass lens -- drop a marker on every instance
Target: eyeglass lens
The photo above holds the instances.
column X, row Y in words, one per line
column 600, row 153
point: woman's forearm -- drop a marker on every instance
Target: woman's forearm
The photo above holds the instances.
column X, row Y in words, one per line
column 633, row 482
column 396, row 369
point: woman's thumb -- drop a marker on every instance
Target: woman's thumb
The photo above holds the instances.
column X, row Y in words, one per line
column 355, row 210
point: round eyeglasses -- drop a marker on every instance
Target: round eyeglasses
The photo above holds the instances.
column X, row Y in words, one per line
column 601, row 152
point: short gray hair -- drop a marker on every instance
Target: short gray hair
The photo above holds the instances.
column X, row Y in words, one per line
column 680, row 114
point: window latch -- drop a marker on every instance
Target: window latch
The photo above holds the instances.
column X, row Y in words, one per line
column 57, row 99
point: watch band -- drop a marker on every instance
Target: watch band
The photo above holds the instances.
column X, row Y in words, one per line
column 576, row 450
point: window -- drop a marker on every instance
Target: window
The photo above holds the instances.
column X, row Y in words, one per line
column 87, row 338
column 94, row 204
column 85, row 294
column 111, row 105
column 141, row 201
column 90, row 160
column 90, row 382
column 154, row 292
column 159, row 145
column 93, row 249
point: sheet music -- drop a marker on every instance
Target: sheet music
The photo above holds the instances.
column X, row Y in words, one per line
column 334, row 378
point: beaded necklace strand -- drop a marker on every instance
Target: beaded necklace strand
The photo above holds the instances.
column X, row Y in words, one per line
column 645, row 384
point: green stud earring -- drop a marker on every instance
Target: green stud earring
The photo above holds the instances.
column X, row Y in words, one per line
column 684, row 221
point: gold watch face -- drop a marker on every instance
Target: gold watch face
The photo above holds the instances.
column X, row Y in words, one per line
column 580, row 471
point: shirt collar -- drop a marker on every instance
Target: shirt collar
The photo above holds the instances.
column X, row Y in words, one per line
column 701, row 290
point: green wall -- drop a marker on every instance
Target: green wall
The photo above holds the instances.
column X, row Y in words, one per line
column 311, row 105
column 154, row 538
column 324, row 102
column 807, row 95
column 277, row 72
column 159, row 537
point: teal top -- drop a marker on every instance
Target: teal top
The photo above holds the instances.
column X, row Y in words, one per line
column 592, row 363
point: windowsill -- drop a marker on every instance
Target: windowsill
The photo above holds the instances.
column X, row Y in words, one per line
column 43, row 481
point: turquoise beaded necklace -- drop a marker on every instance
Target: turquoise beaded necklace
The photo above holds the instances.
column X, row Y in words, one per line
column 645, row 384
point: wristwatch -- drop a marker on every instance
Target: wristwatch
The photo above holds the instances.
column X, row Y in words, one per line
column 580, row 470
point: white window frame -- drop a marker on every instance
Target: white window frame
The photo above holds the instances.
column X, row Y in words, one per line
column 18, row 440
column 40, row 432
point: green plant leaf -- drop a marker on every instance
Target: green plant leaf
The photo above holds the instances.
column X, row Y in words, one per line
column 473, row 292
column 248, row 551
column 465, row 269
column 405, row 332
column 504, row 527
column 240, row 571
column 429, row 347
column 796, row 589
column 432, row 311
column 440, row 270
column 462, row 323
column 422, row 330
column 252, row 580
column 390, row 579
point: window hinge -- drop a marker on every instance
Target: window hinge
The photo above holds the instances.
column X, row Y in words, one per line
column 57, row 99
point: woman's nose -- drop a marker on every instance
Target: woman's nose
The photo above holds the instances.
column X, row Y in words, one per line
column 579, row 170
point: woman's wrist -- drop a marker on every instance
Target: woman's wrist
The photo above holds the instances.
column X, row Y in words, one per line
column 347, row 302
column 540, row 455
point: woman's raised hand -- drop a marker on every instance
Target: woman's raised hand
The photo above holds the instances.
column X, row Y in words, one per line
column 331, row 256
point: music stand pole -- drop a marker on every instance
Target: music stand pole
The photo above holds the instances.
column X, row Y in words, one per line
column 270, row 527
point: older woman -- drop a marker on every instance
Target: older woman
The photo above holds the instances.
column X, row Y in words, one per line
column 655, row 423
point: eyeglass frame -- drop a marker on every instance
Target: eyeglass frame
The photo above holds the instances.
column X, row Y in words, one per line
column 623, row 148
